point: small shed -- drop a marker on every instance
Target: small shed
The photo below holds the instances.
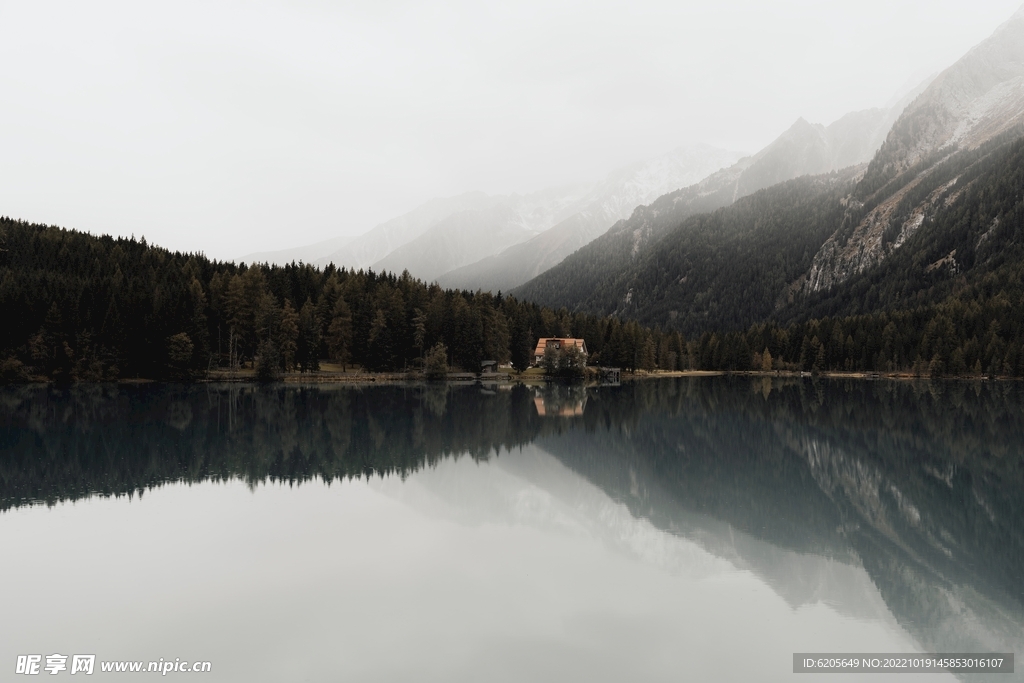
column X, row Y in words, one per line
column 488, row 366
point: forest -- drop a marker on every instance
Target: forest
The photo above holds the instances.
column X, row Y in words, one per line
column 85, row 308
column 81, row 307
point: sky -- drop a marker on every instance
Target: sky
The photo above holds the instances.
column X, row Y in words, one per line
column 230, row 127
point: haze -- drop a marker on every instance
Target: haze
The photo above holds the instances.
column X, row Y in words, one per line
column 231, row 127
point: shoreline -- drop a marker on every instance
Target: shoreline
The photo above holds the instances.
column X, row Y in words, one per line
column 363, row 378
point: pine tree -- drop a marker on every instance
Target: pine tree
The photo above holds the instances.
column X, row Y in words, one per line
column 339, row 333
column 288, row 335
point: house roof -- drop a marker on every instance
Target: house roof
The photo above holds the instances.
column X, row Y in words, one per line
column 542, row 344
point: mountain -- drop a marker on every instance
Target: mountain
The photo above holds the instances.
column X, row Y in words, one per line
column 977, row 99
column 803, row 149
column 374, row 245
column 459, row 238
column 716, row 270
column 611, row 200
column 304, row 254
column 443, row 233
column 364, row 250
column 466, row 236
column 934, row 213
column 955, row 229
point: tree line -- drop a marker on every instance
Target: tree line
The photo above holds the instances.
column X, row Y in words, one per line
column 81, row 307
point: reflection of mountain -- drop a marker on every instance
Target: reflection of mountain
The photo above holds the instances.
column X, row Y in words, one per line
column 893, row 482
column 528, row 486
column 799, row 578
column 808, row 485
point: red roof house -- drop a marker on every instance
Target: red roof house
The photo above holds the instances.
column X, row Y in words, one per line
column 558, row 343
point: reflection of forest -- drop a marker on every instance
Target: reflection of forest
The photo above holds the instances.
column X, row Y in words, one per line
column 111, row 440
column 920, row 483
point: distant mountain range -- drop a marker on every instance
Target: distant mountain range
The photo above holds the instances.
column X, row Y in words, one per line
column 701, row 239
column 804, row 149
column 452, row 239
column 466, row 236
column 498, row 242
column 364, row 250
column 607, row 202
column 306, row 254
column 939, row 193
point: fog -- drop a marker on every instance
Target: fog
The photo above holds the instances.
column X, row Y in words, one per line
column 231, row 127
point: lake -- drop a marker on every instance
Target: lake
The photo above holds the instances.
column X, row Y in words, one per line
column 662, row 530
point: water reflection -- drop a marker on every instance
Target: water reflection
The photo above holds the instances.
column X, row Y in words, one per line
column 885, row 501
column 560, row 400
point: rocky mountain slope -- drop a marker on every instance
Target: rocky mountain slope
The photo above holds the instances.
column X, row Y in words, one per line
column 957, row 228
column 975, row 100
column 717, row 270
column 939, row 191
column 804, row 149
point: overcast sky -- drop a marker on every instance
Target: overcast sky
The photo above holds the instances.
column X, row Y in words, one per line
column 231, row 127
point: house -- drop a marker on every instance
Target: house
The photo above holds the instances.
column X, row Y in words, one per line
column 557, row 343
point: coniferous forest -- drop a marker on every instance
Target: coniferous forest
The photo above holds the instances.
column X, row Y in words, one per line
column 84, row 308
column 80, row 307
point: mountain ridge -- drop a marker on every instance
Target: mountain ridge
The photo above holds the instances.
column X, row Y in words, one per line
column 973, row 101
column 952, row 153
column 803, row 149
column 614, row 198
column 467, row 236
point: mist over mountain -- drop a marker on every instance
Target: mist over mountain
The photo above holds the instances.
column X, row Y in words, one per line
column 364, row 250
column 443, row 233
column 467, row 236
column 803, row 149
column 497, row 242
column 458, row 239
column 609, row 201
column 307, row 253
column 940, row 200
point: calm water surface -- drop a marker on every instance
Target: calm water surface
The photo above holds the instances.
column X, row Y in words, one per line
column 686, row 529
